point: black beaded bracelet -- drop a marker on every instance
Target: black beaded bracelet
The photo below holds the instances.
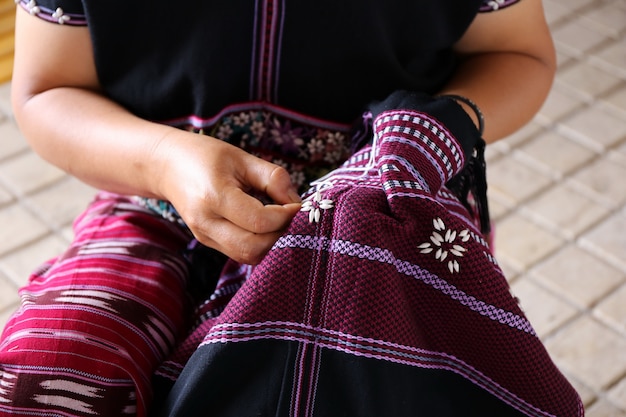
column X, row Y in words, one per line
column 474, row 107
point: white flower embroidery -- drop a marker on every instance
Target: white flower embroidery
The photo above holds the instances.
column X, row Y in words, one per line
column 60, row 16
column 33, row 8
column 444, row 243
column 495, row 5
column 315, row 206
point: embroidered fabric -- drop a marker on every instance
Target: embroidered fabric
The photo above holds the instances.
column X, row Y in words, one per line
column 377, row 304
column 307, row 151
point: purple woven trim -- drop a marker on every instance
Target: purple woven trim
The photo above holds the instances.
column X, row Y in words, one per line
column 353, row 249
column 410, row 168
column 493, row 5
column 428, row 155
column 55, row 16
column 409, row 126
column 365, row 347
column 202, row 123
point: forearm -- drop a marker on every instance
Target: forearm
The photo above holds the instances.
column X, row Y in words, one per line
column 509, row 88
column 94, row 139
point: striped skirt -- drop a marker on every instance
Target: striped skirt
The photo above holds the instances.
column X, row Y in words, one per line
column 95, row 322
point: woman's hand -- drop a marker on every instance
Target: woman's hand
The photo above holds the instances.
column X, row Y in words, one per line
column 68, row 121
column 210, row 183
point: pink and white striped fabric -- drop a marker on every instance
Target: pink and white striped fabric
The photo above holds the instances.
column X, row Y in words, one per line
column 95, row 322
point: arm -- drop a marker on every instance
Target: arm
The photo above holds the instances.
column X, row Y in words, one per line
column 507, row 68
column 62, row 113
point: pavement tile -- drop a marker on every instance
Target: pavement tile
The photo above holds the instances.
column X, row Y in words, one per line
column 575, row 38
column 574, row 5
column 5, row 196
column 586, row 80
column 612, row 310
column 5, row 100
column 497, row 210
column 606, row 18
column 520, row 136
column 7, row 312
column 557, row 105
column 556, row 154
column 612, row 57
column 603, row 180
column 619, row 154
column 578, row 276
column 545, row 311
column 8, row 294
column 54, row 206
column 617, row 394
column 616, row 101
column 18, row 228
column 587, row 395
column 515, row 181
column 493, row 153
column 608, row 240
column 12, row 140
column 28, row 172
column 596, row 127
column 565, row 211
column 590, row 352
column 522, row 243
column 67, row 233
column 19, row 264
column 564, row 60
column 603, row 408
column 511, row 272
column 555, row 11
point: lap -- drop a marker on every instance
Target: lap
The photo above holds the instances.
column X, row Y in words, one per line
column 95, row 322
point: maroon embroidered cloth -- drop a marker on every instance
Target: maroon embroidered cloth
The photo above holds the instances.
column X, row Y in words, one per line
column 382, row 299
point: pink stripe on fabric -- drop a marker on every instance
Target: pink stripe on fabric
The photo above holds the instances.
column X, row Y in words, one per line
column 354, row 249
column 313, row 337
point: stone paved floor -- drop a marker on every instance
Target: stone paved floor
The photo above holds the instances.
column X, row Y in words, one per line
column 557, row 191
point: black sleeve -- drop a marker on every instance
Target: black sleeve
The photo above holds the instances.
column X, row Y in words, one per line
column 65, row 12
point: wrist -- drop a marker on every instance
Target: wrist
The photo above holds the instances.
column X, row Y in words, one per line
column 163, row 158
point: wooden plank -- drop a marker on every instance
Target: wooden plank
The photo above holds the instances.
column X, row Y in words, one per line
column 6, row 68
column 7, row 23
column 7, row 7
column 7, row 39
column 7, row 44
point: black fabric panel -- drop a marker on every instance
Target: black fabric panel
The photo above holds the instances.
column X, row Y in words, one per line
column 335, row 57
column 257, row 379
column 68, row 6
column 237, row 379
column 166, row 62
column 358, row 386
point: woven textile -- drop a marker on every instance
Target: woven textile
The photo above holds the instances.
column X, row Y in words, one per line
column 391, row 304
column 96, row 321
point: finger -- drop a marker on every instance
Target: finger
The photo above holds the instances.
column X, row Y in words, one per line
column 272, row 179
column 236, row 243
column 252, row 215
